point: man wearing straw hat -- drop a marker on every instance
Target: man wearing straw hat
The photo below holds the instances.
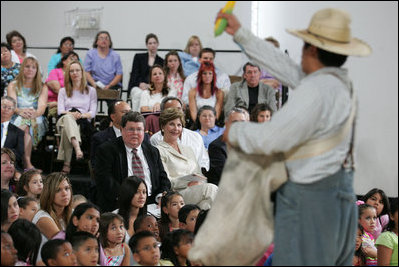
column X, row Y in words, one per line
column 316, row 215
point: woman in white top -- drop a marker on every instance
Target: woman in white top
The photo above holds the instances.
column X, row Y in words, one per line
column 206, row 92
column 151, row 99
column 180, row 163
column 55, row 206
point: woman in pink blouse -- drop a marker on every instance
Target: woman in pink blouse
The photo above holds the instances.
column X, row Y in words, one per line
column 77, row 104
column 55, row 81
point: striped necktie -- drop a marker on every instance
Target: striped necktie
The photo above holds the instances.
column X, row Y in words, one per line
column 136, row 165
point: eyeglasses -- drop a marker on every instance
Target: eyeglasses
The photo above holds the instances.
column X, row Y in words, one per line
column 7, row 108
column 148, row 248
column 132, row 130
column 103, row 38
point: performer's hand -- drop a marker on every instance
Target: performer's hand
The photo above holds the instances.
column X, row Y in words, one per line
column 233, row 24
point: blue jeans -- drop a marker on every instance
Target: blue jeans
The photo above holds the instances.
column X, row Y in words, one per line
column 315, row 224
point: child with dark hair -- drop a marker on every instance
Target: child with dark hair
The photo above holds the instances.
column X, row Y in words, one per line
column 30, row 184
column 200, row 219
column 132, row 202
column 147, row 222
column 188, row 216
column 145, row 249
column 378, row 199
column 359, row 259
column 27, row 240
column 176, row 245
column 113, row 249
column 8, row 251
column 9, row 209
column 387, row 242
column 85, row 217
column 28, row 206
column 171, row 203
column 58, row 252
column 86, row 248
column 367, row 219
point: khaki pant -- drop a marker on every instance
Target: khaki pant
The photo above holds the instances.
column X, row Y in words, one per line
column 68, row 128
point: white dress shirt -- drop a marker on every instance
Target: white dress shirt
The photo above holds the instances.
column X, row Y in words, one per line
column 5, row 132
column 146, row 169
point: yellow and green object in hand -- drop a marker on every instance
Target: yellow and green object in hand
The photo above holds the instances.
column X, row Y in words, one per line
column 221, row 24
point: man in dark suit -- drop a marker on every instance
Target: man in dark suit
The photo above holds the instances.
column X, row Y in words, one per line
column 115, row 112
column 217, row 149
column 114, row 163
column 11, row 136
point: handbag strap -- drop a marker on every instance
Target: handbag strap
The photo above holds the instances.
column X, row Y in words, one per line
column 318, row 147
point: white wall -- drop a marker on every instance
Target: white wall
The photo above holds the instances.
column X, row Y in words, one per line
column 374, row 77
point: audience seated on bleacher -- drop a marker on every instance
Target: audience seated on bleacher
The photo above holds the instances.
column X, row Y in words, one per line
column 9, row 69
column 66, row 45
column 28, row 206
column 85, row 217
column 174, row 73
column 171, row 203
column 30, row 184
column 102, row 65
column 139, row 76
column 86, row 248
column 179, row 162
column 190, row 55
column 205, row 125
column 55, row 81
column 222, row 79
column 187, row 137
column 205, row 92
column 188, row 216
column 12, row 137
column 31, row 96
column 77, row 106
column 261, row 113
column 250, row 91
column 176, row 246
column 18, row 44
column 114, row 160
column 217, row 149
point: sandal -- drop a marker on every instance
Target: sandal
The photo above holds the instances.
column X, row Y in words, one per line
column 66, row 169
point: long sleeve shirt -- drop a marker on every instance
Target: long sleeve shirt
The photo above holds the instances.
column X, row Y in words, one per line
column 83, row 102
column 317, row 108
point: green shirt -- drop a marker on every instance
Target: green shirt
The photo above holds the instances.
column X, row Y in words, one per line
column 390, row 240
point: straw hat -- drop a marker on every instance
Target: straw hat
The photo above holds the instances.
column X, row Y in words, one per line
column 329, row 30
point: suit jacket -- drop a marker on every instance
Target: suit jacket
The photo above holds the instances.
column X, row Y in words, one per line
column 102, row 137
column 238, row 96
column 15, row 142
column 140, row 69
column 217, row 156
column 99, row 138
column 112, row 168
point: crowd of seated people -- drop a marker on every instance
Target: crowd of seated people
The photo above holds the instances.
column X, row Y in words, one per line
column 147, row 155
